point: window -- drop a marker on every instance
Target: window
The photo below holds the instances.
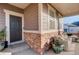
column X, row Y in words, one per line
column 51, row 13
column 51, row 20
column 60, row 21
column 45, row 23
column 52, row 24
column 48, row 19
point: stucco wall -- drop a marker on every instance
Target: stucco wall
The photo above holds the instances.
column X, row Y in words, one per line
column 2, row 19
column 45, row 17
column 31, row 17
column 11, row 7
column 2, row 14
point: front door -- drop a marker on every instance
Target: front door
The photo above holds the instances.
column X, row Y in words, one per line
column 15, row 28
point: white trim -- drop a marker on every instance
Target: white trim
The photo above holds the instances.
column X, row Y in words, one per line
column 40, row 16
column 7, row 13
column 31, row 31
column 50, row 31
column 16, row 42
column 61, row 23
column 61, row 29
column 56, row 21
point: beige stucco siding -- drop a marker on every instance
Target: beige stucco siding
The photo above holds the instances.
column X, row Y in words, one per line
column 45, row 17
column 2, row 19
column 31, row 17
column 11, row 7
column 45, row 8
column 2, row 13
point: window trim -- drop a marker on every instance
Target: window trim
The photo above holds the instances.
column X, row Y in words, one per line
column 54, row 11
column 60, row 18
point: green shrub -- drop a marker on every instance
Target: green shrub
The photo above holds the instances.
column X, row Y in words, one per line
column 58, row 45
column 2, row 35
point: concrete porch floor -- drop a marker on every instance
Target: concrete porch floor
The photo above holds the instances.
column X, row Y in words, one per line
column 24, row 49
column 20, row 49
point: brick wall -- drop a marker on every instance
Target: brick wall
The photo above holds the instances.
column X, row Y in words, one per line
column 37, row 40
column 33, row 40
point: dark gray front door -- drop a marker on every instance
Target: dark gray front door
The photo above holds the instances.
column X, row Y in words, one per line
column 15, row 28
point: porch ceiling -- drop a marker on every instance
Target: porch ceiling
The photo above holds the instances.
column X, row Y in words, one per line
column 67, row 9
column 20, row 5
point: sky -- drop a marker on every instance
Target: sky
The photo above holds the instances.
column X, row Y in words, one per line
column 71, row 19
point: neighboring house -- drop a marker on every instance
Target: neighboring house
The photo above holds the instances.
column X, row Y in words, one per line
column 65, row 27
column 74, row 29
column 71, row 28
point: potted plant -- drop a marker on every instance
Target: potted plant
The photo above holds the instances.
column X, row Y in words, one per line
column 3, row 42
column 58, row 45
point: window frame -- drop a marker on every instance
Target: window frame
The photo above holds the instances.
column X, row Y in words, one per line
column 60, row 18
column 50, row 18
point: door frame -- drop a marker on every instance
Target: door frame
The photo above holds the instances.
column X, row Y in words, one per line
column 7, row 23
